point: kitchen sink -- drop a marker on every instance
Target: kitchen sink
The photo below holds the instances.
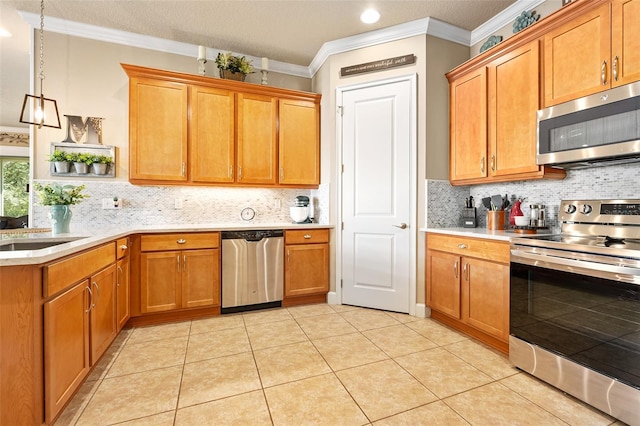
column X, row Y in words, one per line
column 33, row 245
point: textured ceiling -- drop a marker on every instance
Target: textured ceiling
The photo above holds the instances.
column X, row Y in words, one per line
column 288, row 31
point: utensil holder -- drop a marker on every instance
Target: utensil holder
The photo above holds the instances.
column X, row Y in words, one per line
column 469, row 217
column 495, row 220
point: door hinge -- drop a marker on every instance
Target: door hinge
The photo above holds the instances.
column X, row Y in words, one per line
column 342, row 226
column 340, row 283
column 343, row 168
column 340, row 110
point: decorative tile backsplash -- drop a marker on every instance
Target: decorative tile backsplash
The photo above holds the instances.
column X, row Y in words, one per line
column 156, row 205
column 445, row 202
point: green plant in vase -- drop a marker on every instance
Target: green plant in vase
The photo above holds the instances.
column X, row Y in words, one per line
column 100, row 163
column 82, row 161
column 61, row 161
column 233, row 67
column 59, row 198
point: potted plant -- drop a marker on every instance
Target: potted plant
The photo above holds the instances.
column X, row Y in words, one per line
column 59, row 198
column 233, row 67
column 82, row 161
column 61, row 161
column 100, row 163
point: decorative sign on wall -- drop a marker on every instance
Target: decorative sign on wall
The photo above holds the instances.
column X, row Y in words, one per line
column 381, row 65
column 84, row 130
column 14, row 139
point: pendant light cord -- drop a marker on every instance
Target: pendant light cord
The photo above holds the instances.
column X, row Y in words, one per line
column 41, row 48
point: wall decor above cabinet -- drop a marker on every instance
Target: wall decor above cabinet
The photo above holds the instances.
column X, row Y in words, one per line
column 188, row 129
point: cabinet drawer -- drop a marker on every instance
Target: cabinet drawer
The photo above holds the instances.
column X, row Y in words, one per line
column 122, row 247
column 60, row 275
column 306, row 236
column 181, row 241
column 497, row 251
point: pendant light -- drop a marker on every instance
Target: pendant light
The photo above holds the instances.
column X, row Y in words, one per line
column 39, row 110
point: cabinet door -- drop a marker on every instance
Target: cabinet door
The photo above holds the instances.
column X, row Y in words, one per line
column 299, row 143
column 212, row 154
column 123, row 292
column 306, row 270
column 66, row 346
column 200, row 278
column 625, row 41
column 443, row 282
column 157, row 130
column 468, row 127
column 160, row 284
column 256, row 139
column 577, row 57
column 485, row 296
column 103, row 311
column 513, row 103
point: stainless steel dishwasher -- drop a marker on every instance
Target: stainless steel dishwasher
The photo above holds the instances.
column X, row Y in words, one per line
column 252, row 269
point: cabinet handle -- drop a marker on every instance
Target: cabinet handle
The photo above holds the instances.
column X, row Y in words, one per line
column 184, row 263
column 462, row 246
column 464, row 271
column 230, row 171
column 288, row 254
column 482, row 164
column 455, row 268
column 123, row 247
column 183, row 168
column 603, row 71
column 493, row 163
column 97, row 293
column 307, row 236
column 615, row 68
column 239, row 172
column 90, row 300
column 181, row 241
column 178, row 261
column 119, row 273
column 281, row 173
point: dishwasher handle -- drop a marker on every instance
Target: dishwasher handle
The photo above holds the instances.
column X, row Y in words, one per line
column 252, row 235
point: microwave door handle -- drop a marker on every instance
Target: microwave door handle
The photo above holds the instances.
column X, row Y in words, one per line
column 624, row 273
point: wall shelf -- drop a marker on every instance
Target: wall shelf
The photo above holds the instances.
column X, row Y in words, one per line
column 87, row 149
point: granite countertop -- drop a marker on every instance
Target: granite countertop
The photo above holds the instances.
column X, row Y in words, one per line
column 503, row 235
column 83, row 240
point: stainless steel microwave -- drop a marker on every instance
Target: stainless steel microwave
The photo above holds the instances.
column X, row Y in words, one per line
column 599, row 129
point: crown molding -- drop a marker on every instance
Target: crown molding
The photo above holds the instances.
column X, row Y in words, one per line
column 423, row 26
column 77, row 29
column 502, row 19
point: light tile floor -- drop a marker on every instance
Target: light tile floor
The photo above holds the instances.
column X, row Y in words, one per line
column 314, row 365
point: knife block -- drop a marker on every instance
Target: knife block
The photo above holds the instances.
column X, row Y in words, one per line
column 469, row 219
column 495, row 220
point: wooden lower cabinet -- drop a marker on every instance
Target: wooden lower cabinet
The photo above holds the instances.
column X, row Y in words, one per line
column 103, row 312
column 306, row 278
column 467, row 283
column 66, row 346
column 171, row 280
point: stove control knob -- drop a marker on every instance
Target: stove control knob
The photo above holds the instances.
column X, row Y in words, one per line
column 571, row 209
column 586, row 209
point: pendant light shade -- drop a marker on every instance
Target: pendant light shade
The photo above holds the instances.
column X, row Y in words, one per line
column 38, row 110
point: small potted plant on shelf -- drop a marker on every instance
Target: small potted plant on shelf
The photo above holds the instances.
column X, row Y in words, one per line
column 100, row 163
column 61, row 161
column 82, row 161
column 59, row 198
column 233, row 67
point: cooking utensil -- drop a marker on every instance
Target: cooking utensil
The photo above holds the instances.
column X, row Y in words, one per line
column 496, row 200
column 486, row 202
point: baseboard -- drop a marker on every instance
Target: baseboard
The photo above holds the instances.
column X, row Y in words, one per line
column 332, row 298
column 421, row 310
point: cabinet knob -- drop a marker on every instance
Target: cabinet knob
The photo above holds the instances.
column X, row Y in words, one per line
column 181, row 241
column 123, row 247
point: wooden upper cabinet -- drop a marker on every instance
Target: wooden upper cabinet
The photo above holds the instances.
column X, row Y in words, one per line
column 513, row 102
column 212, row 134
column 468, row 126
column 157, row 130
column 256, row 139
column 299, row 152
column 625, row 41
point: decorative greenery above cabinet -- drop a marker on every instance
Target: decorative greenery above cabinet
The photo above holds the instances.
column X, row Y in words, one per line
column 194, row 130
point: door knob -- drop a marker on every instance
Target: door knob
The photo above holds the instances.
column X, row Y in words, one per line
column 401, row 226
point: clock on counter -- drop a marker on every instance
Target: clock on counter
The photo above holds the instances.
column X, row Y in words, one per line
column 248, row 214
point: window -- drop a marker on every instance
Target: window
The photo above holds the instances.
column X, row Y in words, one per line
column 14, row 181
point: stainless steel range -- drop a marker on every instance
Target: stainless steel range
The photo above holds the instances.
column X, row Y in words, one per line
column 575, row 305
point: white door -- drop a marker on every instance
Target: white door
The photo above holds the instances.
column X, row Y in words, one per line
column 378, row 195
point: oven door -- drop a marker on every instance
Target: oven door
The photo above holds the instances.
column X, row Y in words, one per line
column 569, row 315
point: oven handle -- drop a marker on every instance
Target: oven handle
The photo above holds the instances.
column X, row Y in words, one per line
column 603, row 270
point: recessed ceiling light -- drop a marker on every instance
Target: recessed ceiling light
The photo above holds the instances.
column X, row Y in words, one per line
column 4, row 33
column 370, row 16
